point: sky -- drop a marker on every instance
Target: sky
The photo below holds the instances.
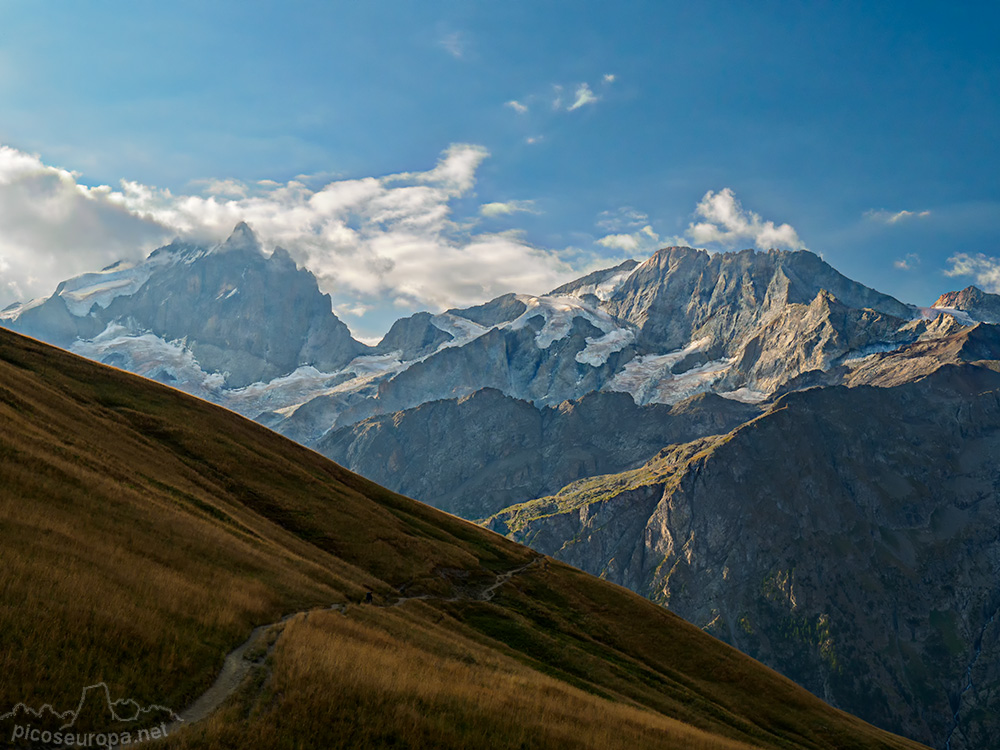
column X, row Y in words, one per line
column 437, row 154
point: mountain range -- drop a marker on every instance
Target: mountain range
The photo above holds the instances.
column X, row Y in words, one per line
column 793, row 461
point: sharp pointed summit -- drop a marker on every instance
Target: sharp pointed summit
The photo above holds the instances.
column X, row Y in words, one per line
column 242, row 238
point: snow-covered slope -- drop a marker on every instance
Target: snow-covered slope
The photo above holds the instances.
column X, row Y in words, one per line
column 253, row 332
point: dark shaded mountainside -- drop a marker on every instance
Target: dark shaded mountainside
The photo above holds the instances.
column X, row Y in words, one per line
column 478, row 454
column 145, row 533
column 848, row 536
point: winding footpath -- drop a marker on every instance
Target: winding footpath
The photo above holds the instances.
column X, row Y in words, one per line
column 238, row 663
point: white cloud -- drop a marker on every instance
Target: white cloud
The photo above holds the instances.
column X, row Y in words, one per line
column 983, row 268
column 890, row 217
column 583, row 96
column 727, row 223
column 531, row 140
column 557, row 97
column 510, row 207
column 517, row 106
column 907, row 262
column 621, row 219
column 230, row 187
column 455, row 44
column 645, row 240
column 369, row 240
column 609, row 78
column 51, row 227
column 357, row 310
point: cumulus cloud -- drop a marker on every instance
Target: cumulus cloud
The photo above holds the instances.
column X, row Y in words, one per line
column 517, row 106
column 893, row 217
column 984, row 269
column 510, row 207
column 727, row 223
column 51, row 227
column 644, row 239
column 907, row 262
column 609, row 77
column 369, row 240
column 584, row 96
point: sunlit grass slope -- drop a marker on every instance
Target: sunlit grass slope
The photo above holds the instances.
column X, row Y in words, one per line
column 143, row 534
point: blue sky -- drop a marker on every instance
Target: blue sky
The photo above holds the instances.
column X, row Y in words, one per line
column 589, row 132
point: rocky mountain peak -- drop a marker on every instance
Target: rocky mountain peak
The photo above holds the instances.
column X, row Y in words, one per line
column 960, row 300
column 978, row 305
column 243, row 239
column 283, row 258
column 681, row 294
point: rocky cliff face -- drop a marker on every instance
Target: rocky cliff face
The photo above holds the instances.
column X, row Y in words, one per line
column 475, row 455
column 977, row 304
column 847, row 537
column 680, row 294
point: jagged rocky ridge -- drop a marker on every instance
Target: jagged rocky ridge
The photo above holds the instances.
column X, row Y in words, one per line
column 974, row 302
column 255, row 334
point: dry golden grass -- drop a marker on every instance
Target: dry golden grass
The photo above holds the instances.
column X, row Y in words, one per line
column 354, row 681
column 143, row 534
column 147, row 532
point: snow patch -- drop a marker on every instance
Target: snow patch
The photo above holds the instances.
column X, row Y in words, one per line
column 100, row 288
column 604, row 290
column 929, row 313
column 558, row 312
column 857, row 355
column 648, row 378
column 375, row 364
column 152, row 357
column 292, row 390
column 13, row 312
column 462, row 330
column 746, row 395
column 598, row 350
column 172, row 362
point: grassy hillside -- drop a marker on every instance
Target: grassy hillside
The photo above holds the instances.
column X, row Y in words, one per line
column 144, row 534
